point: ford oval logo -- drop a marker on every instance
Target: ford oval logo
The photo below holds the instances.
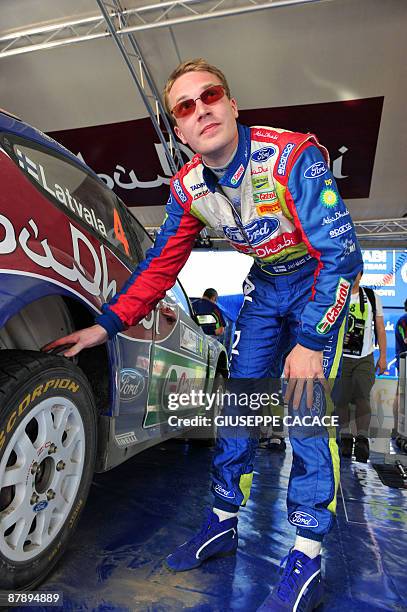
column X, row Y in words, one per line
column 40, row 506
column 260, row 230
column 318, row 401
column 131, row 384
column 256, row 232
column 302, row 519
column 221, row 491
column 263, row 154
column 233, row 234
column 316, row 170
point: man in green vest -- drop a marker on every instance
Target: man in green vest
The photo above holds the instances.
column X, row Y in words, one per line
column 365, row 322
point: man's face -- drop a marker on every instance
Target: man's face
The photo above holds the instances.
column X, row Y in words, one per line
column 209, row 128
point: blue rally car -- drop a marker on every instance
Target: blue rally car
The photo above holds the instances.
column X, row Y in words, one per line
column 67, row 244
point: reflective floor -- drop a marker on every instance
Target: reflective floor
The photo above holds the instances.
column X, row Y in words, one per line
column 137, row 513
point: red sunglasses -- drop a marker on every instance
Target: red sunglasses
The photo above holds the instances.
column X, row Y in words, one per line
column 208, row 96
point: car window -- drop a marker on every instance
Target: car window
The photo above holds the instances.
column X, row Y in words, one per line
column 144, row 241
column 78, row 193
column 180, row 297
column 138, row 233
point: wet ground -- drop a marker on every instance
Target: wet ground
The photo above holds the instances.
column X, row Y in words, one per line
column 139, row 512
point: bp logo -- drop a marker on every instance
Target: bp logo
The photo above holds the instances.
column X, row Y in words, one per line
column 329, row 198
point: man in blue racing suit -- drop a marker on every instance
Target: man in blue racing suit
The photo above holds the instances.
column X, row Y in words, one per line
column 271, row 194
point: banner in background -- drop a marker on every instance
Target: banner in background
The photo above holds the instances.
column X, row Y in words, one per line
column 130, row 159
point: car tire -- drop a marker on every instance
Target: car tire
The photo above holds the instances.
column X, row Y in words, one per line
column 47, row 456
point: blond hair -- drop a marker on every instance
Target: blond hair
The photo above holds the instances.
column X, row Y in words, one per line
column 196, row 65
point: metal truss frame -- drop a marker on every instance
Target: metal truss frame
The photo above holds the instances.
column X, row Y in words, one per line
column 382, row 229
column 143, row 79
column 148, row 17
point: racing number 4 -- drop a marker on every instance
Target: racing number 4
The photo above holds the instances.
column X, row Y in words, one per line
column 119, row 232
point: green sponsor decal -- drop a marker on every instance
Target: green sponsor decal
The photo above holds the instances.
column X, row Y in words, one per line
column 176, row 374
column 260, row 182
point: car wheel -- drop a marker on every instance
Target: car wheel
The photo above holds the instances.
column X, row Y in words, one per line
column 47, row 455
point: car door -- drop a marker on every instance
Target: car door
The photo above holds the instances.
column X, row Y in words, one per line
column 179, row 357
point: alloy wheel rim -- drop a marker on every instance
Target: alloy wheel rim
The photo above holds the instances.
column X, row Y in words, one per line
column 40, row 473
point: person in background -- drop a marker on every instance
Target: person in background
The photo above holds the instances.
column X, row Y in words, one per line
column 206, row 305
column 365, row 322
column 400, row 333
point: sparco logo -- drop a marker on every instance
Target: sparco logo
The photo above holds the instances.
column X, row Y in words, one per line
column 333, row 312
column 131, row 384
column 302, row 519
column 263, row 154
column 180, row 191
column 316, row 170
column 257, row 231
column 221, row 491
column 338, row 231
column 284, row 158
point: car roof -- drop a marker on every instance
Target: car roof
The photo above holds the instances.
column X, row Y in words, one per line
column 11, row 124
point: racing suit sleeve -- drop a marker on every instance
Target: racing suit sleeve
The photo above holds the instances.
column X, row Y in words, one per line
column 156, row 274
column 327, row 229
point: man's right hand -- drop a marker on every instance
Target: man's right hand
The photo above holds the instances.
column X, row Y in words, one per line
column 84, row 338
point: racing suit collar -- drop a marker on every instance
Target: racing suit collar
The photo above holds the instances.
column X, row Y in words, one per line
column 236, row 169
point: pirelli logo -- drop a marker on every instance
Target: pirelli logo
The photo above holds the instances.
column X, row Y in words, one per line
column 265, row 209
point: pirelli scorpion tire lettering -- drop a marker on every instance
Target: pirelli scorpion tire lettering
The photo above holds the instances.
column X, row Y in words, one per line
column 47, row 454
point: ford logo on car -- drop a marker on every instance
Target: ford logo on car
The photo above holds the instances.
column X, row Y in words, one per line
column 263, row 154
column 131, row 384
column 302, row 519
column 40, row 506
column 316, row 170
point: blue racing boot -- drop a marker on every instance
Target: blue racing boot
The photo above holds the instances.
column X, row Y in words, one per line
column 300, row 587
column 216, row 539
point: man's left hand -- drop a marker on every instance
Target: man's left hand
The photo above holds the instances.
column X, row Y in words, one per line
column 381, row 364
column 302, row 366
